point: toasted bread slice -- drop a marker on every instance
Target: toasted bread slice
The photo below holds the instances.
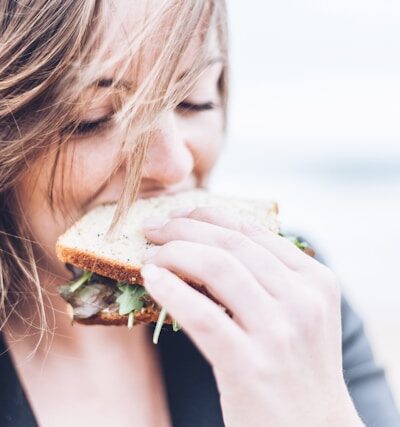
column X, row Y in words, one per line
column 84, row 246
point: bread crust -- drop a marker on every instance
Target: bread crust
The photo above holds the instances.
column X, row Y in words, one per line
column 118, row 271
column 122, row 273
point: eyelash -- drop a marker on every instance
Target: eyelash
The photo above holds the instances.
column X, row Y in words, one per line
column 85, row 128
column 195, row 108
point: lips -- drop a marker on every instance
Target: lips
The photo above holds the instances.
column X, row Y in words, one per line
column 148, row 188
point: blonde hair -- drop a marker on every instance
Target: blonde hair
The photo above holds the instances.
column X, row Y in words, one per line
column 51, row 50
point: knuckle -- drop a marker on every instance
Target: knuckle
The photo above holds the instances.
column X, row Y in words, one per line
column 327, row 273
column 203, row 323
column 315, row 314
column 284, row 339
column 249, row 229
column 220, row 264
column 233, row 240
column 333, row 293
column 258, row 366
column 280, row 338
column 311, row 318
column 330, row 286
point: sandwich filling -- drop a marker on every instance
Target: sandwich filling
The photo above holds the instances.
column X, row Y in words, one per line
column 91, row 294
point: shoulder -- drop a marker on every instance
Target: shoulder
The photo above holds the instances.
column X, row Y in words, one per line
column 365, row 378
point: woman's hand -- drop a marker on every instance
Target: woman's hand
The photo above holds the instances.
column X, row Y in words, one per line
column 278, row 361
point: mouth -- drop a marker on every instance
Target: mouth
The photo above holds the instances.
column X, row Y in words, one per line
column 154, row 191
column 161, row 192
column 147, row 189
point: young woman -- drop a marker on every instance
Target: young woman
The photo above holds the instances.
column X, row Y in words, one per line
column 106, row 101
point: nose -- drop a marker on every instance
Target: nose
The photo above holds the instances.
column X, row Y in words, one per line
column 169, row 159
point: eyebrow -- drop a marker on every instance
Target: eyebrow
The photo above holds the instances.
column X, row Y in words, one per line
column 104, row 83
column 124, row 84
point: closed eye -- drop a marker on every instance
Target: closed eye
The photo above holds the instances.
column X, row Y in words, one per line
column 89, row 127
column 94, row 126
column 192, row 107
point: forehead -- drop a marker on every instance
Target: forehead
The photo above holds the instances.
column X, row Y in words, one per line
column 129, row 18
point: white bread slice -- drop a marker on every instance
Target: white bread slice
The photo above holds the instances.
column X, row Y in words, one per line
column 84, row 246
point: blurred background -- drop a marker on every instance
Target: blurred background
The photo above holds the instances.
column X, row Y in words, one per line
column 314, row 123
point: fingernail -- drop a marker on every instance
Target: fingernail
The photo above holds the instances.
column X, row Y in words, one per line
column 150, row 273
column 150, row 252
column 154, row 223
column 180, row 212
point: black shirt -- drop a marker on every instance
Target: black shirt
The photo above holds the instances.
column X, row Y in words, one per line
column 191, row 389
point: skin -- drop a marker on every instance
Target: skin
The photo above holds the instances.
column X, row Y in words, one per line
column 289, row 341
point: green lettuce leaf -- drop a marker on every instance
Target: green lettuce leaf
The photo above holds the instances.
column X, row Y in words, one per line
column 130, row 298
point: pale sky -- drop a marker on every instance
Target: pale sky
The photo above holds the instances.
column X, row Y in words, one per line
column 316, row 73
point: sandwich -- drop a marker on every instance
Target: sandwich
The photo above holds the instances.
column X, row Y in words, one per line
column 106, row 287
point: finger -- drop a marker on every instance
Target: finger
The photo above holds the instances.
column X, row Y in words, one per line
column 282, row 248
column 267, row 269
column 224, row 277
column 214, row 333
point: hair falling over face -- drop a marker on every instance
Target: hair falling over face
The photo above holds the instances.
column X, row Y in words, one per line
column 52, row 52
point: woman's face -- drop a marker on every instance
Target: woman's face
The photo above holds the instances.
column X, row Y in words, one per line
column 180, row 156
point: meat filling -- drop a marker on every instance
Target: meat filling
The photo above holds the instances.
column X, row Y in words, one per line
column 99, row 293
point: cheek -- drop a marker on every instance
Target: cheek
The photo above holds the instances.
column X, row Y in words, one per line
column 44, row 226
column 91, row 165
